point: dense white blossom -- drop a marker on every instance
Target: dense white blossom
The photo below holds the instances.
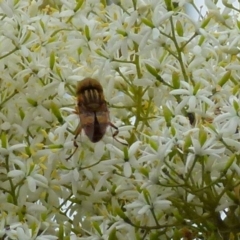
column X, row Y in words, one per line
column 172, row 87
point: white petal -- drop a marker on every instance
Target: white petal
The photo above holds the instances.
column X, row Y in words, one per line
column 144, row 209
column 31, row 184
column 66, row 13
column 15, row 173
column 75, row 174
column 133, row 149
column 5, row 126
column 17, row 146
column 127, row 170
column 40, row 178
column 163, row 204
column 21, row 234
column 61, row 89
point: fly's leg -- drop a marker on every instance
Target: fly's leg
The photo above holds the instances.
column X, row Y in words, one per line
column 78, row 131
column 116, row 133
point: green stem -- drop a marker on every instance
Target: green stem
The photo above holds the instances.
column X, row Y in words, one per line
column 9, row 53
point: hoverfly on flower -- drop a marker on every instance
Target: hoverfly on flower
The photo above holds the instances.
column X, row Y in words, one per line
column 93, row 112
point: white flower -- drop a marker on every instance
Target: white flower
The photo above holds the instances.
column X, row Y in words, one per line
column 106, row 188
column 230, row 119
column 190, row 99
column 210, row 147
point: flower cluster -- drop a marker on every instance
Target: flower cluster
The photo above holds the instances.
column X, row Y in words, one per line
column 172, row 85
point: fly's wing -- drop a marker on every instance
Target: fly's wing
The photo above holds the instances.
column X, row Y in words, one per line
column 100, row 125
column 94, row 124
column 87, row 122
column 92, row 108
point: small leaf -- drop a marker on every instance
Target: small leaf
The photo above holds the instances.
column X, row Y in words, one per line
column 205, row 22
column 32, row 102
column 229, row 162
column 56, row 112
column 121, row 32
column 96, row 226
column 148, row 22
column 99, row 52
column 87, row 33
column 187, row 142
column 42, row 25
column 28, row 151
column 202, row 136
column 196, row 88
column 238, row 24
column 144, row 171
column 152, row 70
column 201, row 40
column 104, row 3
column 125, row 152
column 112, row 235
column 167, row 115
column 21, row 113
column 52, row 60
column 179, row 28
column 79, row 51
column 79, row 5
column 168, row 5
column 61, row 231
column 146, row 196
column 4, row 140
column 225, row 78
column 27, row 37
column 120, row 213
column 236, row 105
column 176, row 80
column 173, row 131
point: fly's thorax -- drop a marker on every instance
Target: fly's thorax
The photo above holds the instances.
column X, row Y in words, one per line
column 90, row 90
column 88, row 83
column 90, row 96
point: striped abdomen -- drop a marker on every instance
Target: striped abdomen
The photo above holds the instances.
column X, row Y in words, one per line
column 92, row 109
